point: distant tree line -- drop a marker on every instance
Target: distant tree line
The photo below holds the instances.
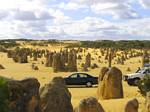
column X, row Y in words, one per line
column 123, row 44
column 44, row 42
column 8, row 43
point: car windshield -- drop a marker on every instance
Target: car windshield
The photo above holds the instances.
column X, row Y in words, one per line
column 141, row 71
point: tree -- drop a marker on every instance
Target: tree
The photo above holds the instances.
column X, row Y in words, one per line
column 4, row 95
column 144, row 85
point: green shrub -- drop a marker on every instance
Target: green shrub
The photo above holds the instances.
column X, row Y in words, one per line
column 4, row 95
column 144, row 85
column 136, row 44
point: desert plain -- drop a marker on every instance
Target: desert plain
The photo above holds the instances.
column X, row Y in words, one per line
column 44, row 75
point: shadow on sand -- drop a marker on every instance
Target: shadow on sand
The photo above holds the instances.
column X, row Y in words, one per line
column 80, row 86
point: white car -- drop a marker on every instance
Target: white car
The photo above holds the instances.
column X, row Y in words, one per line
column 132, row 79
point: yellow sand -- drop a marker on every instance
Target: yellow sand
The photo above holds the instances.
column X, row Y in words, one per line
column 44, row 75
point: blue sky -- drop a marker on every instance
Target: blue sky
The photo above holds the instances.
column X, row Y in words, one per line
column 75, row 19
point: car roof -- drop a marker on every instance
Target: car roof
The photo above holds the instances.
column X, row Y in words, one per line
column 80, row 73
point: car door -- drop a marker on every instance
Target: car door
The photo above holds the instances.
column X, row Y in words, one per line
column 83, row 78
column 73, row 79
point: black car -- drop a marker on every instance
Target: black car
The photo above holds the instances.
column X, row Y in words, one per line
column 81, row 79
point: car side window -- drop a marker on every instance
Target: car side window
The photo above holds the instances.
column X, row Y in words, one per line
column 74, row 76
column 82, row 76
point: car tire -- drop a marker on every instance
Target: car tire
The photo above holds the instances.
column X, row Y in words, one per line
column 88, row 84
column 135, row 82
column 130, row 83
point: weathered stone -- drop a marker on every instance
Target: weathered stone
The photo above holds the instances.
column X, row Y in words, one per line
column 79, row 57
column 2, row 67
column 94, row 65
column 24, row 95
column 20, row 55
column 128, row 69
column 88, row 60
column 72, row 61
column 109, row 58
column 132, row 106
column 62, row 62
column 148, row 102
column 84, row 68
column 55, row 97
column 145, row 58
column 89, row 105
column 56, row 62
column 103, row 71
column 110, row 86
column 49, row 60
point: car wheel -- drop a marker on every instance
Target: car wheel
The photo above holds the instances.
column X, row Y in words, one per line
column 130, row 83
column 89, row 84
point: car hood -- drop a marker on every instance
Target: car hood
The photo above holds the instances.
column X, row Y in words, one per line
column 133, row 74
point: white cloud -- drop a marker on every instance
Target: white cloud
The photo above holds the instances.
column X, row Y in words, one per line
column 138, row 27
column 83, row 28
column 71, row 6
column 59, row 17
column 24, row 15
column 3, row 14
column 40, row 19
column 145, row 3
column 94, row 28
column 118, row 11
column 24, row 18
column 31, row 15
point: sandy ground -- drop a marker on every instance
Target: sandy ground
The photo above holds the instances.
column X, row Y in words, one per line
column 44, row 75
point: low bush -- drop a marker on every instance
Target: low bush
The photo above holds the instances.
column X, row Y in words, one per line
column 144, row 85
column 4, row 95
